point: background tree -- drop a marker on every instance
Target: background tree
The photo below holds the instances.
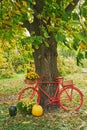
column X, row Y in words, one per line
column 49, row 22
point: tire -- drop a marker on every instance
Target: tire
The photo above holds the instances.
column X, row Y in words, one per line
column 76, row 100
column 31, row 93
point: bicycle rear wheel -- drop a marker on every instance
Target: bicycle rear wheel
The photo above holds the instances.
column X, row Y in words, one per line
column 70, row 98
column 30, row 93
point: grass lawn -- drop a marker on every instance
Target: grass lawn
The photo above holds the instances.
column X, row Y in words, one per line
column 53, row 120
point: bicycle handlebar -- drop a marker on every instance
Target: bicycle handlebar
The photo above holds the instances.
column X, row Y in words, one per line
column 57, row 79
column 42, row 76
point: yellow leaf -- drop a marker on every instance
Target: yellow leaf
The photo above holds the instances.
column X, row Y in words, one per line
column 83, row 46
column 25, row 122
column 24, row 3
column 17, row 4
column 1, row 103
column 9, row 103
column 18, row 12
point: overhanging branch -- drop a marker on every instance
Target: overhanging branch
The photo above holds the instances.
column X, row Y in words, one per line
column 71, row 6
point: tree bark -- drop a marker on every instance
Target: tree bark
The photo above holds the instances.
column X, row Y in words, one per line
column 46, row 64
column 71, row 6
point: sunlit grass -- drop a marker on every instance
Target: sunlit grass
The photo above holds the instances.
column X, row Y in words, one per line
column 12, row 85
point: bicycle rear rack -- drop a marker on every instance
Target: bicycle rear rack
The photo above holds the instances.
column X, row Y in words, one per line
column 63, row 82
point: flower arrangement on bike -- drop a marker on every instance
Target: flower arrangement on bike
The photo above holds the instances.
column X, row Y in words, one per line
column 31, row 77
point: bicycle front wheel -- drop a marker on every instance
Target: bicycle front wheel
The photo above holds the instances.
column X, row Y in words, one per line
column 70, row 98
column 30, row 93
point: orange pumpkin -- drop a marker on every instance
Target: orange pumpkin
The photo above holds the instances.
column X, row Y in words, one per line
column 37, row 110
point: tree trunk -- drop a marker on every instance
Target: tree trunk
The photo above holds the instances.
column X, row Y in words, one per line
column 46, row 64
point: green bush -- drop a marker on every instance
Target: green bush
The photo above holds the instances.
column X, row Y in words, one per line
column 20, row 69
column 6, row 73
column 25, row 106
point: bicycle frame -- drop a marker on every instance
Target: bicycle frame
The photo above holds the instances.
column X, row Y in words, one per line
column 59, row 83
column 61, row 87
column 52, row 99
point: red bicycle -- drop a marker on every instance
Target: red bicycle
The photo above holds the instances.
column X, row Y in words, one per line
column 66, row 95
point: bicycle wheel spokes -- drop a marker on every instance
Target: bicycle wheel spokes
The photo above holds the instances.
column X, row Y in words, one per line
column 70, row 99
column 29, row 93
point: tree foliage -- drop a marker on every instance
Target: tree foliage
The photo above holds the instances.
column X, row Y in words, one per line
column 67, row 20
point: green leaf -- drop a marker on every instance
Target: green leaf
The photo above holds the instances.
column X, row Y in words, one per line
column 81, row 37
column 64, row 14
column 75, row 44
column 43, row 29
column 79, row 57
column 39, row 39
column 83, row 10
column 46, row 44
column 60, row 37
column 36, row 40
column 46, row 35
column 75, row 16
column 86, row 54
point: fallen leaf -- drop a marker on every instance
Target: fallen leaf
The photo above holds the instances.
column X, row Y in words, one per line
column 25, row 122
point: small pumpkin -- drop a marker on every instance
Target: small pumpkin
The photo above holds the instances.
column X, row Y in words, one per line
column 37, row 110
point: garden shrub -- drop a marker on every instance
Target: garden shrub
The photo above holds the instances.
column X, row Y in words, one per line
column 67, row 65
column 6, row 73
column 6, row 70
column 20, row 69
column 25, row 105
